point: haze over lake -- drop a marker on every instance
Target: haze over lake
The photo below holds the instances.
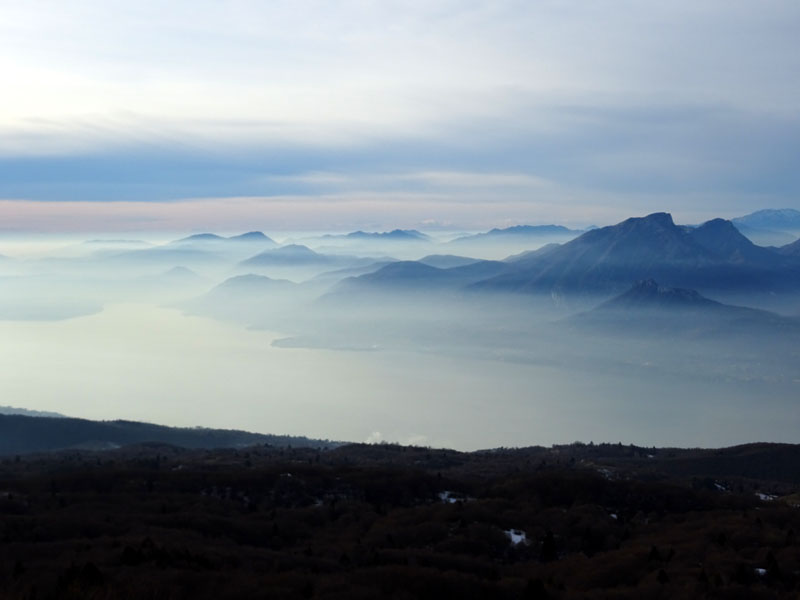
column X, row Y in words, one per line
column 142, row 362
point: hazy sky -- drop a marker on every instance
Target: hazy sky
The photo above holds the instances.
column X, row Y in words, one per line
column 357, row 114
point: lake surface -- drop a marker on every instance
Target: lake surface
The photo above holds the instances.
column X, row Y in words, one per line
column 141, row 362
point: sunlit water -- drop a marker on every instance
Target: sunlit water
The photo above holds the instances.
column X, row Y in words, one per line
column 154, row 364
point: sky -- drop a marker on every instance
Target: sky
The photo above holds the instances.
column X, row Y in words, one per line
column 124, row 116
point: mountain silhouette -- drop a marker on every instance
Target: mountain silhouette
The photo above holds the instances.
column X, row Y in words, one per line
column 649, row 308
column 517, row 232
column 607, row 260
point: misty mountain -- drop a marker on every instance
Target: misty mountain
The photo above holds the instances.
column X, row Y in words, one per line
column 770, row 227
column 648, row 295
column 199, row 250
column 250, row 299
column 529, row 254
column 200, row 237
column 784, row 219
column 723, row 239
column 792, row 249
column 501, row 243
column 396, row 235
column 300, row 262
column 648, row 308
column 766, row 237
column 255, row 237
column 252, row 236
column 339, row 274
column 517, row 232
column 416, row 276
column 181, row 275
column 12, row 410
column 293, row 254
column 251, row 284
column 244, row 291
column 21, row 434
column 167, row 286
column 714, row 256
column 446, row 261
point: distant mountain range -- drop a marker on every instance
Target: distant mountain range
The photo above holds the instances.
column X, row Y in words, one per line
column 20, row 434
column 770, row 227
column 11, row 410
column 399, row 235
column 302, row 258
column 251, row 237
column 293, row 254
column 517, row 232
column 783, row 219
column 419, row 277
column 712, row 257
column 201, row 249
column 447, row 261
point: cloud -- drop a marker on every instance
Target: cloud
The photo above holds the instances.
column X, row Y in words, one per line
column 485, row 102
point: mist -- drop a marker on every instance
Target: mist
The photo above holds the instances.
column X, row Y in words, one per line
column 397, row 336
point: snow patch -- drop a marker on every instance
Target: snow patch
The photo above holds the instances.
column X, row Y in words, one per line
column 607, row 473
column 517, row 536
column 449, row 497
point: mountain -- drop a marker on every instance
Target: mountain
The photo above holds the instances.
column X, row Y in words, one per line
column 529, row 254
column 339, row 274
column 415, row 276
column 649, row 308
column 792, row 249
column 255, row 237
column 201, row 237
column 770, row 227
column 607, row 260
column 404, row 273
column 11, row 410
column 252, row 300
column 648, row 295
column 446, row 261
column 303, row 260
column 251, row 284
column 252, row 236
column 394, row 235
column 293, row 254
column 180, row 275
column 517, row 232
column 784, row 219
column 766, row 237
column 21, row 434
column 723, row 239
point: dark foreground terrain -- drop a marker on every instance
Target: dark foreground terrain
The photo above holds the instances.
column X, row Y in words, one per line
column 578, row 521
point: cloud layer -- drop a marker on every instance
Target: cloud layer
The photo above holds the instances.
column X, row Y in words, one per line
column 612, row 105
